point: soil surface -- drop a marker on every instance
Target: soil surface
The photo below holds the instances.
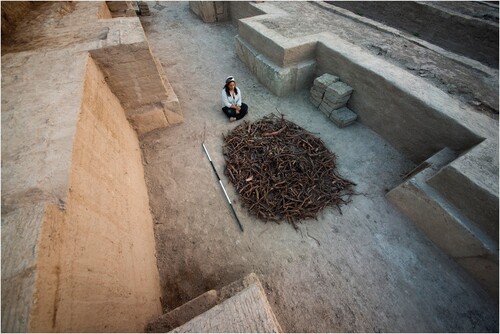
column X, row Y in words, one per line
column 367, row 270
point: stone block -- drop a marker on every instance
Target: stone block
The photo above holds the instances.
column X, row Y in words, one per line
column 325, row 109
column 325, row 80
column 246, row 53
column 335, row 99
column 278, row 80
column 339, row 89
column 317, row 90
column 316, row 95
column 335, row 103
column 305, row 73
column 343, row 117
column 314, row 101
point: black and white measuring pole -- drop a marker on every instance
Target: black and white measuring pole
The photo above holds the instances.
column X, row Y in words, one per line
column 220, row 182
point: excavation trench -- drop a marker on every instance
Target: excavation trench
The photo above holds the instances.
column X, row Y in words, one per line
column 316, row 277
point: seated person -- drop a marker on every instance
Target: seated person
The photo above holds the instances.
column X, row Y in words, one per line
column 231, row 101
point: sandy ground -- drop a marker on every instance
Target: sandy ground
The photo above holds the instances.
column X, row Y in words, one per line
column 367, row 270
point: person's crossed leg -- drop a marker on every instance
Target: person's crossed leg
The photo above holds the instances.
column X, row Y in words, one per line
column 234, row 114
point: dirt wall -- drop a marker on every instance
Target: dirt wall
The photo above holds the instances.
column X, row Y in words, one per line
column 471, row 37
column 96, row 266
column 12, row 13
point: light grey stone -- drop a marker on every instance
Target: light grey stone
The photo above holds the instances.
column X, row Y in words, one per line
column 280, row 80
column 343, row 117
column 314, row 101
column 325, row 109
column 317, row 90
column 339, row 89
column 339, row 103
column 335, row 102
column 316, row 94
column 325, row 80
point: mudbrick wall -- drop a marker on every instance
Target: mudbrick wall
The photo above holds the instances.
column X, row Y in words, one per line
column 104, row 229
column 78, row 250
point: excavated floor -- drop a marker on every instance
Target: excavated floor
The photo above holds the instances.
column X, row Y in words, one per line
column 367, row 270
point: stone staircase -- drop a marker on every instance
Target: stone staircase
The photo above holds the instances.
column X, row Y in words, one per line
column 443, row 198
column 241, row 306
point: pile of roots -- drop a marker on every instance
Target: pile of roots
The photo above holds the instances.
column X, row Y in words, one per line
column 282, row 171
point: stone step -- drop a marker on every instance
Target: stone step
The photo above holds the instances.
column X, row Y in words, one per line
column 248, row 311
column 444, row 224
column 470, row 183
column 183, row 313
column 240, row 306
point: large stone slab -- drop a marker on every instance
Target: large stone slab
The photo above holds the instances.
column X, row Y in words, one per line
column 338, row 89
column 246, row 312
